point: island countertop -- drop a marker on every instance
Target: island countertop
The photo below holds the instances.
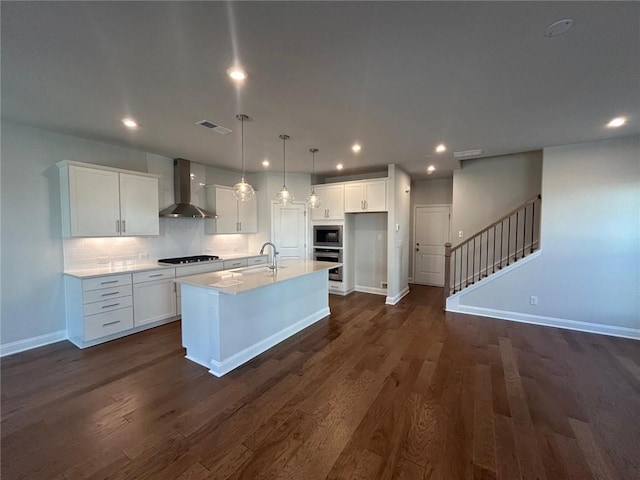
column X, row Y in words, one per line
column 244, row 279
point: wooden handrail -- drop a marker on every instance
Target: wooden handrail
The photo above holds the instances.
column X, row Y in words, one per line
column 484, row 230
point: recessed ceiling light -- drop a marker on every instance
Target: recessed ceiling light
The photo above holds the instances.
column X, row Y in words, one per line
column 431, row 169
column 130, row 123
column 441, row 148
column 265, row 163
column 340, row 166
column 237, row 74
column 558, row 28
column 356, row 147
column 617, row 122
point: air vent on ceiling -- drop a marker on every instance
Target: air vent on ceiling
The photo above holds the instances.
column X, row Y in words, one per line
column 467, row 153
column 214, row 127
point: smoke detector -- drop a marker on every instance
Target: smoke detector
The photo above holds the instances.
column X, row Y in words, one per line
column 212, row 126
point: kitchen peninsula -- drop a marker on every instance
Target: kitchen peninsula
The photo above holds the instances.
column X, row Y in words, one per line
column 230, row 317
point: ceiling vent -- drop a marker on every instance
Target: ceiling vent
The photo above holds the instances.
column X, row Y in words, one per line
column 467, row 153
column 214, row 127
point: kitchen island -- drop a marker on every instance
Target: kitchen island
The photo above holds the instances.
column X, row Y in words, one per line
column 230, row 317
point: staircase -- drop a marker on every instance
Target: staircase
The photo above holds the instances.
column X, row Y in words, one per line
column 499, row 245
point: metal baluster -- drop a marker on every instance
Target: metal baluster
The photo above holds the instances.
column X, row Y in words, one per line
column 466, row 271
column 533, row 222
column 493, row 263
column 501, row 243
column 515, row 251
column 473, row 263
column 508, row 242
column 480, row 262
column 524, row 232
column 461, row 268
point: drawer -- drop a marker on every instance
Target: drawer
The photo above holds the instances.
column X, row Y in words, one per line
column 103, row 324
column 200, row 268
column 106, row 294
column 107, row 305
column 241, row 262
column 140, row 277
column 258, row 260
column 106, row 281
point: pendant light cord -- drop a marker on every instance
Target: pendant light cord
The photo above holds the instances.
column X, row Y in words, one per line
column 242, row 144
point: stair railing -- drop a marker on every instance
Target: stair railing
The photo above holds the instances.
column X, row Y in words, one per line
column 505, row 241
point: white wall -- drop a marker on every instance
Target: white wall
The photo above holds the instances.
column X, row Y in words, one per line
column 486, row 189
column 438, row 191
column 588, row 269
column 398, row 234
column 370, row 255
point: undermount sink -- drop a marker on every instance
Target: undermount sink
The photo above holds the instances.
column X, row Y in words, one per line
column 256, row 270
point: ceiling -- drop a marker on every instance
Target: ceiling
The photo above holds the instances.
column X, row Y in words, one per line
column 397, row 77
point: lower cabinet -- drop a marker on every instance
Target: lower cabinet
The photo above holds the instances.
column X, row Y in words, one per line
column 103, row 308
column 153, row 301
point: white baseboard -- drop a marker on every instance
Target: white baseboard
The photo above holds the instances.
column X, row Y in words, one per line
column 225, row 366
column 375, row 291
column 633, row 333
column 33, row 342
column 410, row 280
column 398, row 297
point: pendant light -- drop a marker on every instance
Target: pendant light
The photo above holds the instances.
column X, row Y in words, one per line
column 313, row 200
column 284, row 196
column 243, row 191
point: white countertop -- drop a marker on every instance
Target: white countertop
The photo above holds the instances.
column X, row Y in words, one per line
column 244, row 279
column 133, row 267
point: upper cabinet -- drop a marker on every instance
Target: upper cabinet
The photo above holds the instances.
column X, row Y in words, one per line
column 107, row 202
column 365, row 196
column 332, row 206
column 232, row 216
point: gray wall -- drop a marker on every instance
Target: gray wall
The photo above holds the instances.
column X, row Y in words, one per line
column 428, row 192
column 589, row 265
column 486, row 189
column 370, row 262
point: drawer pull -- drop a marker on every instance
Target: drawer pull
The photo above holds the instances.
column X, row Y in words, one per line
column 110, row 323
column 156, row 275
column 109, row 294
column 112, row 305
column 110, row 281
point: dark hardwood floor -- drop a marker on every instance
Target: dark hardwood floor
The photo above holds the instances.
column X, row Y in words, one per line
column 374, row 391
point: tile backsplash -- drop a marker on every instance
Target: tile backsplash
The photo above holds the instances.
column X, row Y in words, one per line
column 178, row 237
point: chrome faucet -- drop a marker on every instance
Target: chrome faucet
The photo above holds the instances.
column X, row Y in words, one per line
column 274, row 264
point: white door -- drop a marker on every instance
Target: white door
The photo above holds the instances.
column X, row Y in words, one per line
column 431, row 233
column 289, row 230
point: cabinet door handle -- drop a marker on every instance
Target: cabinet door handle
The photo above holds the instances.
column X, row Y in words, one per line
column 124, row 226
column 239, row 226
column 112, row 305
column 110, row 323
column 109, row 294
column 118, row 226
column 110, row 281
column 366, row 205
column 156, row 275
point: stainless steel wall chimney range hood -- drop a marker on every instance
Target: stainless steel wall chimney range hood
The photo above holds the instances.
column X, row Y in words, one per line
column 182, row 194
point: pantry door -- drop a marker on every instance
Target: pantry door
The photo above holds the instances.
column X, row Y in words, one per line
column 289, row 230
column 432, row 231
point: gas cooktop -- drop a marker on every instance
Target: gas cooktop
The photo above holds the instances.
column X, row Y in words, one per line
column 193, row 259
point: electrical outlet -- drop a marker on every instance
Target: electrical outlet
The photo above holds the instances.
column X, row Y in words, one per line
column 533, row 300
column 460, row 234
column 383, row 284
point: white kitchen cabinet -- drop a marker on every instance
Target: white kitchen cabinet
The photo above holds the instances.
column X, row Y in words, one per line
column 332, row 202
column 106, row 307
column 365, row 196
column 232, row 216
column 154, row 300
column 107, row 202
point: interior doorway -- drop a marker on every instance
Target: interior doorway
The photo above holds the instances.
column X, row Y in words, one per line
column 432, row 229
column 289, row 230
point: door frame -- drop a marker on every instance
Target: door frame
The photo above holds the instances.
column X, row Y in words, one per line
column 307, row 233
column 413, row 237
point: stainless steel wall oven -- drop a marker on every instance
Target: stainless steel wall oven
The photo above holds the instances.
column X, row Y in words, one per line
column 330, row 255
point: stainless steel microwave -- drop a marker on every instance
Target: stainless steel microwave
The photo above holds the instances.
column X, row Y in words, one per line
column 327, row 236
